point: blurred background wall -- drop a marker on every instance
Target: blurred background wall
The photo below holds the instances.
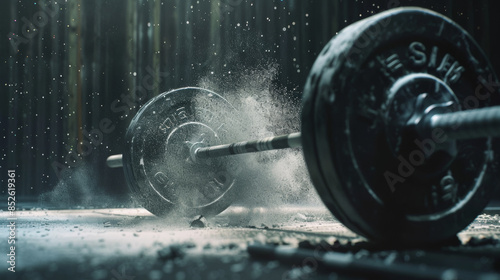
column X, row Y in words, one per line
column 73, row 73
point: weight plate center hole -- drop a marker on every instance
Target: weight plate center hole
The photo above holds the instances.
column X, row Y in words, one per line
column 413, row 100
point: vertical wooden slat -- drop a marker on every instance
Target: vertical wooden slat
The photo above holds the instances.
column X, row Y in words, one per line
column 178, row 44
column 28, row 111
column 86, row 35
column 187, row 40
column 166, row 43
column 156, row 20
column 131, row 44
column 42, row 95
column 56, row 135
column 143, row 40
column 13, row 135
column 304, row 35
column 94, row 67
column 74, row 78
column 215, row 34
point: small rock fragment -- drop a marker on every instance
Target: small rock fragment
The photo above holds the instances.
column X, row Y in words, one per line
column 198, row 223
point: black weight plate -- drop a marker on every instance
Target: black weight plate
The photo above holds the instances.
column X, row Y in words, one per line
column 158, row 166
column 351, row 82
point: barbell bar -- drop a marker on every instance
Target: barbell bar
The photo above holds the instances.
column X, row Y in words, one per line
column 471, row 124
column 291, row 140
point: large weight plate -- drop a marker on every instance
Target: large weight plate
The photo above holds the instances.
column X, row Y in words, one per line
column 349, row 102
column 158, row 166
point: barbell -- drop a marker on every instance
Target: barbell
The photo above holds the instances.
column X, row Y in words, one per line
column 399, row 115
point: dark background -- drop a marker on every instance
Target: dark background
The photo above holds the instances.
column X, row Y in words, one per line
column 84, row 58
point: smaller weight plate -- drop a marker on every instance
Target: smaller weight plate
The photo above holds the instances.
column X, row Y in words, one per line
column 158, row 165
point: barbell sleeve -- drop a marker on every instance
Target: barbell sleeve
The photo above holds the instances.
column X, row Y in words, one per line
column 115, row 161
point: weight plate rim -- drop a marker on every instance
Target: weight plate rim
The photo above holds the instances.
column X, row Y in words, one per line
column 311, row 153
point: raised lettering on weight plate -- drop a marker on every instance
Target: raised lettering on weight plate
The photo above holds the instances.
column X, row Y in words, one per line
column 174, row 119
column 392, row 65
column 448, row 67
column 166, row 125
column 181, row 113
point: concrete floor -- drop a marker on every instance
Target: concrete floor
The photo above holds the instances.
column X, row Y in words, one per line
column 131, row 243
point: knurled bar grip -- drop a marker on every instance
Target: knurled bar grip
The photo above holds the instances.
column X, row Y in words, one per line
column 470, row 124
column 292, row 140
column 271, row 143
